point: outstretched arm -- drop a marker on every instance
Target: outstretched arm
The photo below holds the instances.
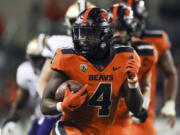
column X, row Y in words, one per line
column 133, row 95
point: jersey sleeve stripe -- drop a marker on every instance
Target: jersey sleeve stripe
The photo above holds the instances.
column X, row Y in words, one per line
column 152, row 33
column 141, row 47
column 145, row 52
column 68, row 51
column 140, row 43
column 124, row 49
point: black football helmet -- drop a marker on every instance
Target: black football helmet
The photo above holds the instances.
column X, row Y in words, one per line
column 91, row 32
column 122, row 17
column 123, row 20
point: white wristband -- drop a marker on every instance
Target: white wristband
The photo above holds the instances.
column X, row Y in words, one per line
column 146, row 102
column 169, row 108
column 133, row 86
column 133, row 79
column 133, row 83
column 59, row 107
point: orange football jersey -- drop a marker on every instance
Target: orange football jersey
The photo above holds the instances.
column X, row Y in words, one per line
column 160, row 40
column 104, row 88
column 148, row 56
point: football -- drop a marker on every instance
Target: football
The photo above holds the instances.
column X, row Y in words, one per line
column 73, row 85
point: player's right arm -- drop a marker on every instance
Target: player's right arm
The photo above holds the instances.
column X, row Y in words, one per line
column 145, row 86
column 48, row 103
column 49, row 106
column 133, row 98
column 52, row 43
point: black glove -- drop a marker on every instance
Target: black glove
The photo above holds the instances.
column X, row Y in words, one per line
column 140, row 117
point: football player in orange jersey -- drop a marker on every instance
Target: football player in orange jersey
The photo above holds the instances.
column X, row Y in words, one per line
column 124, row 26
column 109, row 74
column 165, row 63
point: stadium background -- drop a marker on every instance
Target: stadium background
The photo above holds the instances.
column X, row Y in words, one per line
column 21, row 20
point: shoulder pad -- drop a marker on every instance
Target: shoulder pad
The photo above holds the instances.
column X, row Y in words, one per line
column 143, row 48
column 68, row 51
column 121, row 49
column 152, row 33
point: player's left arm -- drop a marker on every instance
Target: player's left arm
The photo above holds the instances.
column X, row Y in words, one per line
column 167, row 66
column 133, row 95
column 145, row 86
column 133, row 98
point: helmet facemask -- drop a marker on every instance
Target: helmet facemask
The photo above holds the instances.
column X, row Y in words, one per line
column 88, row 40
column 91, row 37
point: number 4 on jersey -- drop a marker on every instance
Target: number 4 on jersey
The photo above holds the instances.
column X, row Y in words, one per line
column 101, row 98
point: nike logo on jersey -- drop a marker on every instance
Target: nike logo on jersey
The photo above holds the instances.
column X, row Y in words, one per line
column 116, row 68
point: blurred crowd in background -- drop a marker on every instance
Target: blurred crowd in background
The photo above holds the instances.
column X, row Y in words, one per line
column 21, row 20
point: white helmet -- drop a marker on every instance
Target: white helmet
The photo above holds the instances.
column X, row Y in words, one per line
column 36, row 45
column 34, row 52
column 74, row 10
